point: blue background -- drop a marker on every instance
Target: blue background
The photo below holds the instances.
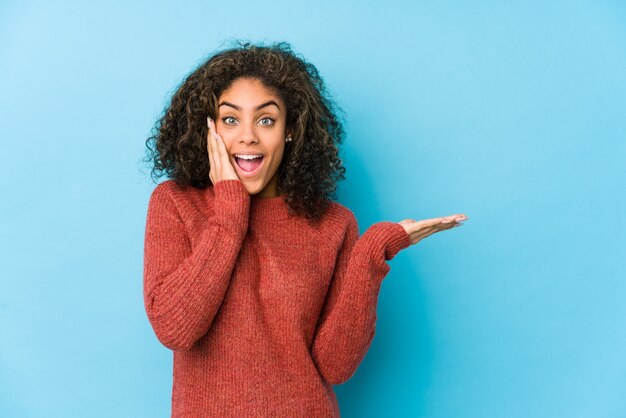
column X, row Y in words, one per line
column 509, row 112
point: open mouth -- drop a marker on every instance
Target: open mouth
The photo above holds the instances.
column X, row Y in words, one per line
column 249, row 166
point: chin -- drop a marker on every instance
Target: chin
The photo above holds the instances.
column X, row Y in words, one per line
column 252, row 189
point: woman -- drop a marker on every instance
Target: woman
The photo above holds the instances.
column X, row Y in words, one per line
column 254, row 277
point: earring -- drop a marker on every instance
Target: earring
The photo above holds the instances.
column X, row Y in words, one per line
column 288, row 139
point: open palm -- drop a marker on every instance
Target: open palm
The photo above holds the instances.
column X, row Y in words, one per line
column 418, row 230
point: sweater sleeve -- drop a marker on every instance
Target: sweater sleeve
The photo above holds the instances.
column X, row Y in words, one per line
column 347, row 323
column 184, row 288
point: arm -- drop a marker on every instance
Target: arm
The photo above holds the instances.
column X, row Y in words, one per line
column 183, row 289
column 347, row 324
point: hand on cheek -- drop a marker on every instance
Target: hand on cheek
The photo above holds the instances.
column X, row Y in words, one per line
column 220, row 166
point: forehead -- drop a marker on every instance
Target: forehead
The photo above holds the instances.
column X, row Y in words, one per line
column 249, row 92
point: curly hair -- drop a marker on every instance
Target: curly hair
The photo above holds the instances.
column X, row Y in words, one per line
column 311, row 166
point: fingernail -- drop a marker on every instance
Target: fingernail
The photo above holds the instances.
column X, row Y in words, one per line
column 208, row 122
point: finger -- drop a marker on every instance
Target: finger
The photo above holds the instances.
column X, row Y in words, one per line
column 221, row 149
column 434, row 221
column 449, row 225
column 425, row 225
column 224, row 158
column 209, row 144
column 452, row 225
column 428, row 231
column 438, row 227
column 213, row 136
column 454, row 218
column 447, row 219
column 217, row 157
column 213, row 130
column 227, row 160
column 212, row 153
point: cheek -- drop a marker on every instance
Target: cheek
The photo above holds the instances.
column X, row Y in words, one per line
column 276, row 146
column 228, row 143
column 278, row 157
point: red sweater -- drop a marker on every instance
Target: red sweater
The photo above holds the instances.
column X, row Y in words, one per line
column 263, row 312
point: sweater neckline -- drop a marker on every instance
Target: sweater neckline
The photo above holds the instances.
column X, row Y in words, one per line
column 268, row 208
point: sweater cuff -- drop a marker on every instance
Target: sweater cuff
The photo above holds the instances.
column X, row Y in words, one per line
column 231, row 203
column 393, row 236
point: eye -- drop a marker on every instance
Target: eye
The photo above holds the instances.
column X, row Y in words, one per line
column 269, row 119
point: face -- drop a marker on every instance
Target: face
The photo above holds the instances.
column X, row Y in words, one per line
column 251, row 120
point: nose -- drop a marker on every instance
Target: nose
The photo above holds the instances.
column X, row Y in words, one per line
column 248, row 135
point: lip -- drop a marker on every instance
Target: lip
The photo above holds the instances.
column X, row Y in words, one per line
column 248, row 173
column 248, row 153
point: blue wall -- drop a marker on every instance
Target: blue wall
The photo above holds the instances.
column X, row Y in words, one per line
column 510, row 113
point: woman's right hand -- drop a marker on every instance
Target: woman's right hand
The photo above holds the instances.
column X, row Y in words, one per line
column 220, row 166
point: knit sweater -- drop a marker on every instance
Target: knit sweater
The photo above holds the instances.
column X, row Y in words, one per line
column 263, row 311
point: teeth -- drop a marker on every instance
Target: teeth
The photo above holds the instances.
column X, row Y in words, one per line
column 249, row 157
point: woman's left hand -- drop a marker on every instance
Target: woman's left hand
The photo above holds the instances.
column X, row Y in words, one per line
column 418, row 230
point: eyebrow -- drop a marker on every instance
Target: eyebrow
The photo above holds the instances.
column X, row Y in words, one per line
column 271, row 102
